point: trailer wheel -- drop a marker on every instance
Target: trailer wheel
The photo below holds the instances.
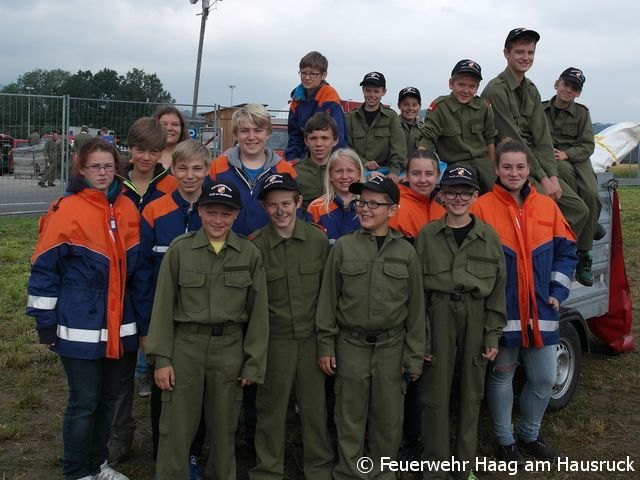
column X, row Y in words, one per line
column 569, row 357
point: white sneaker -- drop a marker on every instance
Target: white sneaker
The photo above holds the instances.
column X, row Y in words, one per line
column 108, row 473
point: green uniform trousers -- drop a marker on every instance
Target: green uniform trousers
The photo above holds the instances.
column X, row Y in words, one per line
column 580, row 177
column 457, row 333
column 574, row 210
column 292, row 362
column 210, row 366
column 369, row 397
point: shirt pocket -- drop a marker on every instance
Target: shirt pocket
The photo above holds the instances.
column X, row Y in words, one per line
column 396, row 279
column 482, row 275
column 436, row 274
column 477, row 127
column 451, row 131
column 276, row 284
column 310, row 276
column 192, row 290
column 355, row 279
column 382, row 133
column 239, row 279
column 570, row 130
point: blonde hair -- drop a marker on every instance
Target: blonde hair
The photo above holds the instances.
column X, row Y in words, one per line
column 251, row 112
column 188, row 149
column 340, row 154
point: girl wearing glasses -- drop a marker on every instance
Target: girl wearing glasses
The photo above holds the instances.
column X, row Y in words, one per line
column 80, row 292
column 335, row 211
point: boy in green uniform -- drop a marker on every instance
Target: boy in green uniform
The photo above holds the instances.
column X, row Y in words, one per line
column 371, row 330
column 208, row 335
column 460, row 126
column 320, row 136
column 464, row 279
column 409, row 103
column 518, row 113
column 374, row 131
column 573, row 145
column 294, row 253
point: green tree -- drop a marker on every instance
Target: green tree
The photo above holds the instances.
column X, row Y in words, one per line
column 44, row 82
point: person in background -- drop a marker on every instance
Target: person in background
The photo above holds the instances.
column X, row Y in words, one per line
column 335, row 210
column 540, row 254
column 80, row 292
column 162, row 221
column 320, row 136
column 313, row 95
column 409, row 102
column 53, row 157
column 173, row 121
column 573, row 145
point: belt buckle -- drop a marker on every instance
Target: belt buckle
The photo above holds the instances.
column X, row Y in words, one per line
column 456, row 297
column 217, row 331
column 371, row 338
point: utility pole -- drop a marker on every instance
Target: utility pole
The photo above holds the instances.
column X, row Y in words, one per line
column 28, row 89
column 206, row 5
column 231, row 87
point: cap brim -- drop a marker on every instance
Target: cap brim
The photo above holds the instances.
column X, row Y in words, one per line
column 461, row 181
column 469, row 72
column 573, row 80
column 219, row 201
column 289, row 188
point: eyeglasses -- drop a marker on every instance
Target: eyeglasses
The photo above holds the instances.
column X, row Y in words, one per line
column 96, row 167
column 309, row 74
column 451, row 195
column 372, row 204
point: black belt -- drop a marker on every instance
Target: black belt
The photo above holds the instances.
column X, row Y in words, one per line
column 373, row 336
column 211, row 330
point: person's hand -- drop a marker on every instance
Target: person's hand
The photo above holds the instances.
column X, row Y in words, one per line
column 371, row 165
column 560, row 155
column 327, row 365
column 555, row 304
column 414, row 376
column 143, row 341
column 165, row 378
column 490, row 353
column 244, row 382
column 428, row 358
column 551, row 187
column 394, row 177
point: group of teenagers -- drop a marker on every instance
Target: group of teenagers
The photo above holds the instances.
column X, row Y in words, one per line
column 380, row 258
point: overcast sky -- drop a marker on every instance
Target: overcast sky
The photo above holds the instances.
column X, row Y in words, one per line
column 257, row 44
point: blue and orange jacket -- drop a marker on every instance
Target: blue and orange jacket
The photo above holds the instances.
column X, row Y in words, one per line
column 540, row 253
column 81, row 284
column 302, row 107
column 228, row 168
column 163, row 182
column 162, row 221
column 414, row 213
column 338, row 220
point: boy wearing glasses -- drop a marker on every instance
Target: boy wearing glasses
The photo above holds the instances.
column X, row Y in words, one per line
column 464, row 287
column 371, row 329
column 312, row 95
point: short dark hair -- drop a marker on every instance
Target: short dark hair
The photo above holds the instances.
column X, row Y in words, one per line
column 321, row 121
column 147, row 133
column 314, row 60
column 509, row 145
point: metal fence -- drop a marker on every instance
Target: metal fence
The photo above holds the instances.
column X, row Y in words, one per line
column 24, row 116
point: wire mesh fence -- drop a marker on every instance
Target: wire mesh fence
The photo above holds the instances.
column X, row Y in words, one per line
column 28, row 126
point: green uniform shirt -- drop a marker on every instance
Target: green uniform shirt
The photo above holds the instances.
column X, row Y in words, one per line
column 368, row 289
column 571, row 130
column 382, row 142
column 294, row 269
column 519, row 116
column 81, row 139
column 459, row 131
column 196, row 285
column 411, row 134
column 53, row 149
column 311, row 180
column 476, row 269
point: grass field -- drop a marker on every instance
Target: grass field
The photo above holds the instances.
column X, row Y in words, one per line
column 602, row 423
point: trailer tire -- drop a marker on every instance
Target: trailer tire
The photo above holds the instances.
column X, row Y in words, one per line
column 569, row 353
